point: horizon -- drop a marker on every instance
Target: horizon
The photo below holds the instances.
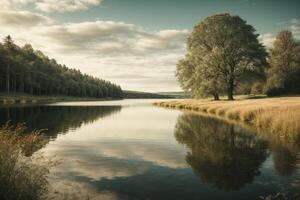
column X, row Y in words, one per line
column 135, row 44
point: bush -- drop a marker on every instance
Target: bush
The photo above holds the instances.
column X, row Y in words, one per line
column 22, row 176
column 257, row 88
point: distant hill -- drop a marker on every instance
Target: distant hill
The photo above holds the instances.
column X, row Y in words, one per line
column 127, row 94
column 176, row 95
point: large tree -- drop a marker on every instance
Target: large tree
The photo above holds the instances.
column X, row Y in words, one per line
column 284, row 71
column 223, row 48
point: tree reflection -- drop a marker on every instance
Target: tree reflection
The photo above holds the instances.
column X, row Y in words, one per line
column 220, row 153
column 285, row 161
column 55, row 119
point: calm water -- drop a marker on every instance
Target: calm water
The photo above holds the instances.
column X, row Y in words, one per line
column 132, row 150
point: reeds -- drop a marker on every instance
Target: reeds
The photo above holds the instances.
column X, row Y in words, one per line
column 22, row 176
column 277, row 116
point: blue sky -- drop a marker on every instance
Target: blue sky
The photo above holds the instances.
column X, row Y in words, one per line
column 135, row 43
column 165, row 14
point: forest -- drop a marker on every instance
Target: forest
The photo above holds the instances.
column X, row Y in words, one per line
column 25, row 70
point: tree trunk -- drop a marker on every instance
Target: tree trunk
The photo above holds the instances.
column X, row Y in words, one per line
column 230, row 94
column 216, row 96
column 15, row 83
column 7, row 79
column 230, row 89
column 21, row 88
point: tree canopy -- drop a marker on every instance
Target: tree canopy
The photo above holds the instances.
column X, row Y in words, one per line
column 25, row 70
column 220, row 50
column 284, row 72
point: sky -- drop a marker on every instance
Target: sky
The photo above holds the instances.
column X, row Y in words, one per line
column 134, row 43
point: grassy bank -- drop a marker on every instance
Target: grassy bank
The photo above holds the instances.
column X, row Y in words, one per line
column 277, row 116
column 25, row 98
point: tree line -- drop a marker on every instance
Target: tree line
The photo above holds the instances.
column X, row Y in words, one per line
column 224, row 56
column 25, row 70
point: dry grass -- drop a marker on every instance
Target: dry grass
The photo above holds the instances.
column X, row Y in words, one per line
column 279, row 117
column 22, row 176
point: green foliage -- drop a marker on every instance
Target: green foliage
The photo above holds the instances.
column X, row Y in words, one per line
column 284, row 71
column 221, row 49
column 186, row 76
column 22, row 69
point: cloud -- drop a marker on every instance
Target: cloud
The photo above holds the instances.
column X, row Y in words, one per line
column 13, row 4
column 110, row 37
column 51, row 5
column 24, row 19
column 95, row 37
column 295, row 28
column 65, row 5
column 117, row 159
column 267, row 39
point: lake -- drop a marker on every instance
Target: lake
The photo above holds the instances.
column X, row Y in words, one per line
column 131, row 149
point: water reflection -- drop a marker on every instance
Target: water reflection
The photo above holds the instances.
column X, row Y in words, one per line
column 220, row 153
column 133, row 154
column 55, row 119
column 285, row 160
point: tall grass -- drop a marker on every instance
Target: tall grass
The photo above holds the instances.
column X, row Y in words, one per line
column 279, row 117
column 22, row 176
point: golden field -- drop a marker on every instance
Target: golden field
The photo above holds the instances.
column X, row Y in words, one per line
column 277, row 116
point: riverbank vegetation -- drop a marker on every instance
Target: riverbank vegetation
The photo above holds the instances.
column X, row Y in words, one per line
column 127, row 94
column 225, row 56
column 25, row 70
column 22, row 98
column 276, row 116
column 22, row 176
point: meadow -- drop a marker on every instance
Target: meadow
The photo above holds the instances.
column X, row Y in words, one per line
column 279, row 116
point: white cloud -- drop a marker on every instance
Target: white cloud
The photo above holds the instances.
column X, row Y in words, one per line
column 109, row 37
column 24, row 19
column 51, row 5
column 267, row 39
column 117, row 159
column 295, row 28
column 65, row 5
column 11, row 4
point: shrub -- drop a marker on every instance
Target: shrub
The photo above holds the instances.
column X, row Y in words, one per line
column 22, row 176
column 257, row 88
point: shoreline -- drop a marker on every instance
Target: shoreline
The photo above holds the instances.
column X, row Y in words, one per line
column 276, row 117
column 25, row 99
column 34, row 99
